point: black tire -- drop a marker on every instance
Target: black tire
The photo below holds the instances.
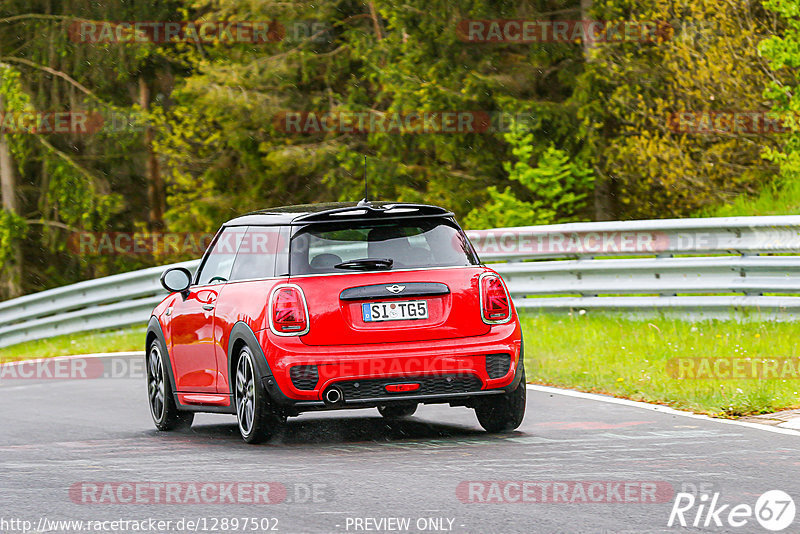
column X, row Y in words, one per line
column 503, row 413
column 165, row 413
column 397, row 411
column 254, row 413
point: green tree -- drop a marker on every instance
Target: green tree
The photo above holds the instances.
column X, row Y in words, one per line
column 707, row 62
column 78, row 182
column 783, row 53
column 224, row 154
column 557, row 187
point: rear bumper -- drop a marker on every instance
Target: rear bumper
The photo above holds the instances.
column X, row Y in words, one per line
column 449, row 370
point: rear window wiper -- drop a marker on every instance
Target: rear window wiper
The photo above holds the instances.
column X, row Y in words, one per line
column 366, row 264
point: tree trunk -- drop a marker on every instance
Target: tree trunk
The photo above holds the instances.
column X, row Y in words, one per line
column 605, row 207
column 10, row 274
column 588, row 44
column 604, row 204
column 376, row 21
column 155, row 184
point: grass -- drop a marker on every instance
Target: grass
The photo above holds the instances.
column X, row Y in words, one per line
column 594, row 352
column 128, row 339
column 628, row 358
column 782, row 197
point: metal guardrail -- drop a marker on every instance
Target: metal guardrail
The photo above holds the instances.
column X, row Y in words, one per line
column 661, row 237
column 109, row 302
column 707, row 267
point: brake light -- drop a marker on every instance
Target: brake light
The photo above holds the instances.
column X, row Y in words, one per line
column 288, row 311
column 495, row 304
column 401, row 388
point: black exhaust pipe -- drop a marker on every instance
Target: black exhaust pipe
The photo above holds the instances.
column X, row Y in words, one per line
column 333, row 396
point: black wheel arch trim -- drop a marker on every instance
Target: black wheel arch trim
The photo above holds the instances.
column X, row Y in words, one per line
column 241, row 332
column 518, row 371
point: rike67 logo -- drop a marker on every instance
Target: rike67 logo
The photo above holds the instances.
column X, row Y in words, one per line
column 773, row 510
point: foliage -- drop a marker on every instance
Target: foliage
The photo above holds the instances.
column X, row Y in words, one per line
column 592, row 139
column 778, row 197
column 783, row 54
column 225, row 153
column 708, row 62
column 72, row 182
column 558, row 186
column 12, row 229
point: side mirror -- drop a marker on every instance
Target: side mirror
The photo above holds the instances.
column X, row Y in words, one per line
column 176, row 279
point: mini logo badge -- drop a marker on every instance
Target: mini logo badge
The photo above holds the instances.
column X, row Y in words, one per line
column 395, row 288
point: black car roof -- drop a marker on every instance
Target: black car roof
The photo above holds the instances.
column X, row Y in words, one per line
column 337, row 211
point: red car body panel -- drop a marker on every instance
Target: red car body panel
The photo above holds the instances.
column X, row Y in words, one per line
column 194, row 362
column 238, row 301
column 338, row 322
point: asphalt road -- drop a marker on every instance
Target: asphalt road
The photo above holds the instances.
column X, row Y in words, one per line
column 351, row 471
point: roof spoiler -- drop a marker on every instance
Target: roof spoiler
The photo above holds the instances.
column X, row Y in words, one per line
column 368, row 212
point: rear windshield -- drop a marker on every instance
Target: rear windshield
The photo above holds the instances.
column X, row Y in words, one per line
column 379, row 246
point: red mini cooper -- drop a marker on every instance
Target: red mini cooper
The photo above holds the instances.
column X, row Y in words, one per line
column 330, row 306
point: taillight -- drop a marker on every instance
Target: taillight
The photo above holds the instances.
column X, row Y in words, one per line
column 495, row 305
column 288, row 312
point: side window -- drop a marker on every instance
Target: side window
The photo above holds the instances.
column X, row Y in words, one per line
column 219, row 262
column 256, row 254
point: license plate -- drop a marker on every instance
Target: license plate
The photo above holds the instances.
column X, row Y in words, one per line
column 394, row 311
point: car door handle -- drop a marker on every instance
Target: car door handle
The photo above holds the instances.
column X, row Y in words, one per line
column 208, row 307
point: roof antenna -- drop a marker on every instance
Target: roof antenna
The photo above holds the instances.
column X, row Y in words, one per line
column 365, row 201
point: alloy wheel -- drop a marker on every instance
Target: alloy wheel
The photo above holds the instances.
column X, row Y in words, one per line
column 245, row 393
column 155, row 383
